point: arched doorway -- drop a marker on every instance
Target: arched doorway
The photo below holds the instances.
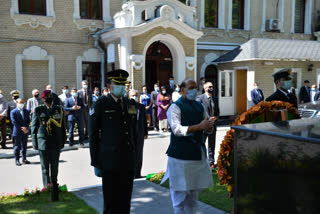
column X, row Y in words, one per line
column 211, row 75
column 158, row 65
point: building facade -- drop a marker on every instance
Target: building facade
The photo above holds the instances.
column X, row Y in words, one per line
column 62, row 42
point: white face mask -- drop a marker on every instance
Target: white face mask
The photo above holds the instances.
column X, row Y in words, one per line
column 85, row 86
column 105, row 93
column 20, row 106
column 135, row 98
column 164, row 92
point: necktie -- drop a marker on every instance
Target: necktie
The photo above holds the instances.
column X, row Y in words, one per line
column 21, row 112
column 85, row 97
column 75, row 101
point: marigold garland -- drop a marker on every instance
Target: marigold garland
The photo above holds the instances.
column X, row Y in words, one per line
column 225, row 159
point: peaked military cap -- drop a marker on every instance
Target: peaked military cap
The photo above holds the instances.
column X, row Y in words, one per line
column 118, row 76
column 15, row 93
column 283, row 73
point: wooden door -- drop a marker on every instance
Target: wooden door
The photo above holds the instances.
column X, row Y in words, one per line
column 241, row 92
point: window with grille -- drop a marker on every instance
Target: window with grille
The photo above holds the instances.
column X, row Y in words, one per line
column 91, row 9
column 32, row 7
column 211, row 13
column 299, row 16
column 238, row 14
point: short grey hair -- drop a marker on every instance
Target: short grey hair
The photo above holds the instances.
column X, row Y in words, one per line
column 34, row 91
column 84, row 81
column 132, row 91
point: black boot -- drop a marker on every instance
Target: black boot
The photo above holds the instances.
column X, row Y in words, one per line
column 55, row 192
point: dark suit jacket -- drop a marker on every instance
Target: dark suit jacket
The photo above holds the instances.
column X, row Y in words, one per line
column 142, row 125
column 73, row 114
column 89, row 97
column 278, row 95
column 112, row 134
column 317, row 96
column 205, row 101
column 303, row 95
column 40, row 138
column 154, row 96
column 11, row 105
column 169, row 89
column 18, row 121
column 255, row 96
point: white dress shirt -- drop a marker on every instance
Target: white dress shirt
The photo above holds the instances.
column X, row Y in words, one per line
column 186, row 175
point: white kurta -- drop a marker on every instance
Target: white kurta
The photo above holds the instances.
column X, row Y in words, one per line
column 186, row 175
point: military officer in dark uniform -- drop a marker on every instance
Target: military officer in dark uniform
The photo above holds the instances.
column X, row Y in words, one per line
column 48, row 136
column 15, row 94
column 111, row 137
column 282, row 80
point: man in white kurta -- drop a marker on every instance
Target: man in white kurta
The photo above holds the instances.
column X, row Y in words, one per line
column 188, row 169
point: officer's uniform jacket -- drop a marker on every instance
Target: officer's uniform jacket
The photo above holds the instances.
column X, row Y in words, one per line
column 11, row 105
column 111, row 133
column 278, row 95
column 46, row 135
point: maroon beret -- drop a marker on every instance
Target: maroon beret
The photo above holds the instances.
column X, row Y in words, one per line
column 45, row 93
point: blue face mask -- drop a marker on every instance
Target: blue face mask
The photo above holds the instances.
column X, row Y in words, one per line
column 287, row 84
column 171, row 81
column 118, row 90
column 74, row 94
column 192, row 94
column 177, row 89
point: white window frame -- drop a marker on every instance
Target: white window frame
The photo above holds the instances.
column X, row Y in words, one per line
column 246, row 15
column 307, row 17
column 221, row 14
column 33, row 20
column 92, row 24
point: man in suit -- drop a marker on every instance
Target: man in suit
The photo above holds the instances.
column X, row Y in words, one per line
column 3, row 123
column 112, row 127
column 210, row 102
column 256, row 95
column 74, row 106
column 85, row 95
column 15, row 94
column 282, row 80
column 304, row 94
column 154, row 95
column 141, row 132
column 48, row 136
column 64, row 95
column 171, row 87
column 20, row 119
column 56, row 100
column 34, row 102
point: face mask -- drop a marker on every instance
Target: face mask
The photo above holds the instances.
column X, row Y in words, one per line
column 15, row 97
column 51, row 90
column 66, row 91
column 36, row 95
column 157, row 89
column 256, row 87
column 96, row 92
column 118, row 90
column 210, row 90
column 49, row 100
column 144, row 91
column 164, row 92
column 171, row 81
column 177, row 89
column 313, row 89
column 85, row 86
column 74, row 94
column 287, row 84
column 105, row 93
column 20, row 106
column 203, row 82
column 135, row 98
column 192, row 94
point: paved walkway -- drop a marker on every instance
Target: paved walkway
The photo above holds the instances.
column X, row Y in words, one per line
column 147, row 197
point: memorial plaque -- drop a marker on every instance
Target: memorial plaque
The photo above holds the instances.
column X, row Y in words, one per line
column 277, row 167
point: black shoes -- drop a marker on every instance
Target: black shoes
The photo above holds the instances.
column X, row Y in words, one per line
column 55, row 192
column 25, row 161
column 18, row 163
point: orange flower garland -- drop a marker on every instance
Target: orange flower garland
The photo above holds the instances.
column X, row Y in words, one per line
column 225, row 159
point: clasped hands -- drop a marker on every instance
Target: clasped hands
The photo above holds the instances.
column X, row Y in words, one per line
column 208, row 123
column 24, row 129
column 76, row 107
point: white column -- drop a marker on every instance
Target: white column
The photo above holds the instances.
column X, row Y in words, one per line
column 222, row 4
column 52, row 80
column 263, row 22
column 202, row 8
column 19, row 75
column 229, row 15
column 281, row 15
column 247, row 15
column 292, row 15
column 106, row 11
column 125, row 51
column 308, row 16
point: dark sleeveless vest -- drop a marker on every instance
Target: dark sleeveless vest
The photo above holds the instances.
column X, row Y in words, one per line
column 188, row 147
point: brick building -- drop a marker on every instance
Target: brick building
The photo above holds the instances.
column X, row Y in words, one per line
column 62, row 42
